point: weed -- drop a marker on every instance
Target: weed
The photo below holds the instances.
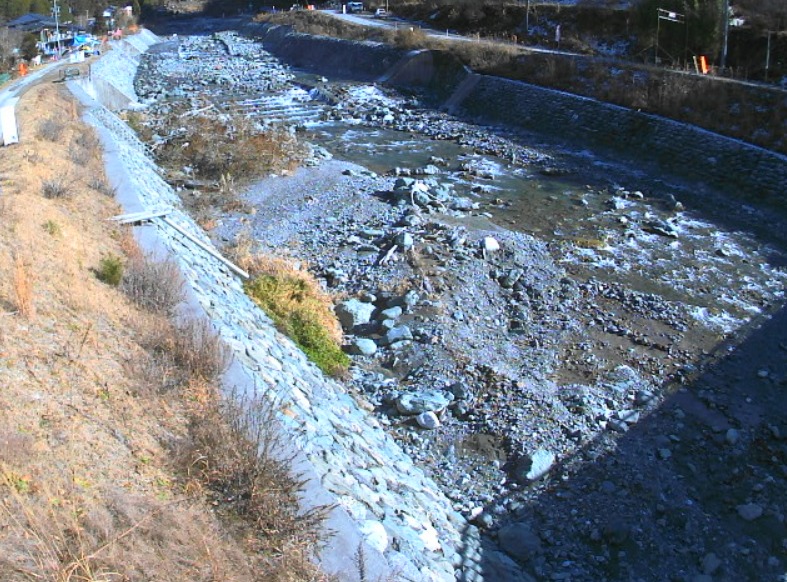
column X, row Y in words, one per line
column 52, row 227
column 409, row 38
column 88, row 140
column 235, row 147
column 180, row 353
column 51, row 129
column 55, row 188
column 136, row 121
column 110, row 270
column 23, row 288
column 100, row 185
column 235, row 453
column 591, row 243
column 152, row 284
column 199, row 351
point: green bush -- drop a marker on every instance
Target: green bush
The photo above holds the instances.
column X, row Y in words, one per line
column 110, row 270
column 315, row 342
column 52, row 227
column 303, row 315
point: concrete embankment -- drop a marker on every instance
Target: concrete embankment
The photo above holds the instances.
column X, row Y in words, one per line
column 385, row 507
column 748, row 172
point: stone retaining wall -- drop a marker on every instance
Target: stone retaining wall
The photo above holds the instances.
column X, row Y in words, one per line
column 323, row 55
column 752, row 173
column 385, row 505
column 746, row 171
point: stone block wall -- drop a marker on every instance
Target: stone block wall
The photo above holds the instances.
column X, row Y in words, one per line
column 749, row 172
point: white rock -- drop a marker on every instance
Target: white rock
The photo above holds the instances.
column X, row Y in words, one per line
column 489, row 244
column 374, row 534
column 430, row 538
column 428, row 420
column 541, row 462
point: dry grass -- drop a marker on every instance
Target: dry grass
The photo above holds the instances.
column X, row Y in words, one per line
column 312, row 22
column 23, row 288
column 89, row 487
column 153, row 284
column 754, row 114
column 230, row 149
column 236, row 457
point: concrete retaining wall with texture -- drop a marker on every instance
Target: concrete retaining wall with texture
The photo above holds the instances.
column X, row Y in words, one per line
column 751, row 173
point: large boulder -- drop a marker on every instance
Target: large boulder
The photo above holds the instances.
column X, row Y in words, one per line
column 354, row 312
column 420, row 402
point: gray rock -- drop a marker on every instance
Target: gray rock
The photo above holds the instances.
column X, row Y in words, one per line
column 394, row 312
column 460, row 391
column 535, row 466
column 616, row 531
column 404, row 240
column 732, row 436
column 750, row 511
column 428, row 420
column 410, row 299
column 510, row 278
column 363, row 347
column 400, row 333
column 419, row 402
column 353, row 312
column 628, row 416
column 710, row 563
column 463, row 204
column 519, row 541
column 617, row 425
column 660, row 227
column 387, row 325
column 499, row 567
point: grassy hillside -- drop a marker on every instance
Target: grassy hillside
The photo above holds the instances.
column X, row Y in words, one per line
column 117, row 459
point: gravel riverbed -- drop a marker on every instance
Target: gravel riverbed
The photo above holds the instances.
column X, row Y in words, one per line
column 603, row 407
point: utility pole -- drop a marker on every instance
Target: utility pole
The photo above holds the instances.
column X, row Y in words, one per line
column 726, row 29
column 768, row 55
column 56, row 14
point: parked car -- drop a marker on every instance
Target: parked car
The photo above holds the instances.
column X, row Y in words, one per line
column 353, row 7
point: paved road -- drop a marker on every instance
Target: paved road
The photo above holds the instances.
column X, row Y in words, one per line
column 368, row 20
column 9, row 95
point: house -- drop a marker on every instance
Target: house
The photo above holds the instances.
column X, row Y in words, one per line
column 31, row 22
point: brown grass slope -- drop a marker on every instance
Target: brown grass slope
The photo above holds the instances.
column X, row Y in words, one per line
column 117, row 459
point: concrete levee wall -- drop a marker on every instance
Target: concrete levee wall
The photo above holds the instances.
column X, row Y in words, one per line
column 752, row 173
column 322, row 55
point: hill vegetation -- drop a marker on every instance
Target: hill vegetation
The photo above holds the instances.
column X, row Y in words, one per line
column 119, row 460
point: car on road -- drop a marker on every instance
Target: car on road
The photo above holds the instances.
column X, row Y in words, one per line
column 380, row 13
column 354, row 7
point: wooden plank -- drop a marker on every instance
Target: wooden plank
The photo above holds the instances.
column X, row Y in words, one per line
column 211, row 251
column 140, row 216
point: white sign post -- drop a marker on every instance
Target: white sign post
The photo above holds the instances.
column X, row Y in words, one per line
column 8, row 125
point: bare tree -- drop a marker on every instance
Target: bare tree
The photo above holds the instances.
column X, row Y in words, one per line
column 9, row 41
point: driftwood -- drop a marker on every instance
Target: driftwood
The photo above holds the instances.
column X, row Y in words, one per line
column 388, row 255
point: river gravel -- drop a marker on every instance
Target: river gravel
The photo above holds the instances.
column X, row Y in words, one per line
column 573, row 395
